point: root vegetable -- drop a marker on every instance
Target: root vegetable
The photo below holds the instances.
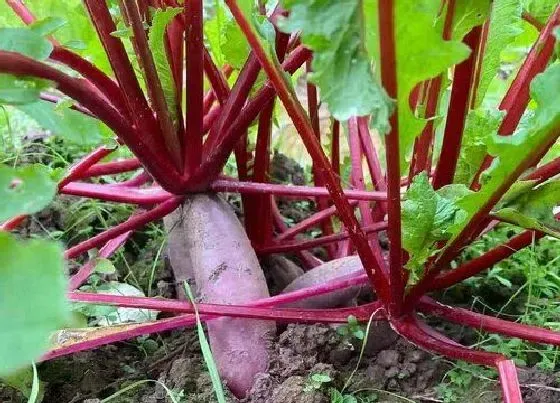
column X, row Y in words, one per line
column 226, row 271
column 324, row 273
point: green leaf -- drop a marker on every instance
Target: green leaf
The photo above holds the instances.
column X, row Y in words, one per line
column 480, row 125
column 505, row 25
column 226, row 40
column 469, row 14
column 334, row 30
column 20, row 90
column 234, row 45
column 511, row 151
column 67, row 123
column 156, row 40
column 26, row 42
column 321, row 378
column 33, row 269
column 104, row 266
column 24, row 190
column 532, row 208
column 48, row 26
column 421, row 54
column 427, row 216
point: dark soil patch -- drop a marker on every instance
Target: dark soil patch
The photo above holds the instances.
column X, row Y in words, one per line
column 394, row 374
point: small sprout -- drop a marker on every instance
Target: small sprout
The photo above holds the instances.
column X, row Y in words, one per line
column 317, row 381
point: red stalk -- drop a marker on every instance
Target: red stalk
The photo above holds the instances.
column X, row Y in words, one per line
column 308, row 259
column 111, row 168
column 389, row 79
column 335, row 147
column 517, row 97
column 309, row 222
column 105, row 252
column 312, row 243
column 532, row 20
column 422, row 156
column 78, row 170
column 422, row 336
column 153, row 84
column 358, row 182
column 195, row 85
column 291, row 190
column 138, row 107
column 511, row 391
column 144, row 148
column 488, row 323
column 259, row 223
column 302, row 124
column 454, row 248
column 313, row 110
column 133, row 223
column 117, row 193
column 545, row 171
column 89, row 71
column 217, row 154
column 370, row 153
column 56, row 99
column 463, row 79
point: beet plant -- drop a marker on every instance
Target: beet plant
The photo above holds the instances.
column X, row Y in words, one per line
column 186, row 86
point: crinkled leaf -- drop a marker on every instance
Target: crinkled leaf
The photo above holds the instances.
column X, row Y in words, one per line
column 421, row 54
column 511, row 151
column 25, row 41
column 532, row 208
column 505, row 25
column 156, row 40
column 480, row 125
column 426, row 217
column 333, row 29
column 20, row 90
column 226, row 40
column 33, row 299
column 24, row 190
column 67, row 123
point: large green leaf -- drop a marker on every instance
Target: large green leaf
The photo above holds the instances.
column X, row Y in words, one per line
column 156, row 39
column 511, row 151
column 32, row 302
column 505, row 25
column 65, row 122
column 24, row 190
column 421, row 54
column 333, row 29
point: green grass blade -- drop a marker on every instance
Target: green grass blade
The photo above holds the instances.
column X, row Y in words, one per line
column 206, row 352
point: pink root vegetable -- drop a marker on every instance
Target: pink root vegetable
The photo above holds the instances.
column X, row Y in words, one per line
column 227, row 271
column 324, row 273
